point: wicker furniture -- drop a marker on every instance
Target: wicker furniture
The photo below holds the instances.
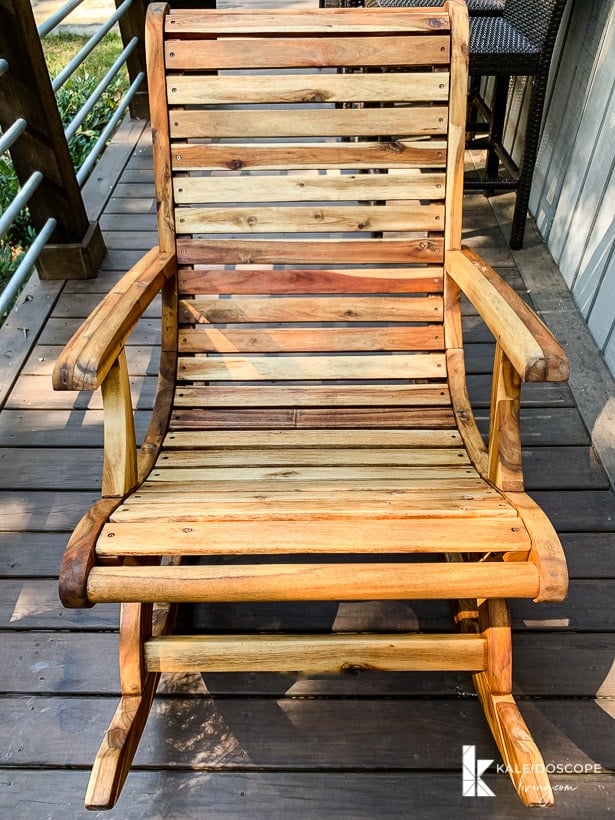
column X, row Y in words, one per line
column 312, row 438
column 484, row 7
column 519, row 42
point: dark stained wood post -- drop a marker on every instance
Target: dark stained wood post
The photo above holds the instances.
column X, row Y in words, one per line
column 132, row 24
column 25, row 91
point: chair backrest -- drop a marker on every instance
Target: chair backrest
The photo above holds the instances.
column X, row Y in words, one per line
column 351, row 169
column 538, row 20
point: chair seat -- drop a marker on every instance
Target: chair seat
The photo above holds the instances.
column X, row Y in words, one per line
column 315, row 496
column 499, row 47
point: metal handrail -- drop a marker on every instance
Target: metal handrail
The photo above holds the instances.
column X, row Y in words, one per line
column 21, row 199
column 91, row 44
column 25, row 266
column 54, row 21
column 84, row 171
column 106, row 81
column 13, row 133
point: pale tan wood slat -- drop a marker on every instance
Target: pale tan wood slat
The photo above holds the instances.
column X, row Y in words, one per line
column 310, row 219
column 312, row 582
column 423, row 396
column 307, row 187
column 315, row 654
column 272, row 340
column 162, row 506
column 428, row 463
column 341, row 416
column 207, row 89
column 394, row 475
column 298, row 52
column 309, row 252
column 236, row 21
column 330, row 439
column 293, row 122
column 314, row 367
column 282, row 480
column 426, row 279
column 405, row 153
column 203, row 310
column 334, row 536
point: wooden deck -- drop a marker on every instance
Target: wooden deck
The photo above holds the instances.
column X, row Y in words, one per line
column 265, row 746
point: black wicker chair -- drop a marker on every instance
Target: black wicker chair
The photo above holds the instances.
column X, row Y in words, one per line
column 482, row 7
column 518, row 41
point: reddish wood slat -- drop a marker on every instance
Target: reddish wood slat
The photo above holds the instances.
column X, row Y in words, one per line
column 253, row 281
column 305, row 252
column 207, row 339
column 387, row 154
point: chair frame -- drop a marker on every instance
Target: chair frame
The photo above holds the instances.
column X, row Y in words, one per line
column 525, row 351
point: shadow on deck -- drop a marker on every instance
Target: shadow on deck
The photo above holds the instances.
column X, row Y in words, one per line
column 354, row 746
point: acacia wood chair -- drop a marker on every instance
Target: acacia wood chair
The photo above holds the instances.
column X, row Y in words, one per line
column 312, row 437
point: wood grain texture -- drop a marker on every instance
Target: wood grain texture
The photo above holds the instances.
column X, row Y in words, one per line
column 207, row 89
column 312, row 582
column 315, row 655
column 293, row 52
column 384, row 154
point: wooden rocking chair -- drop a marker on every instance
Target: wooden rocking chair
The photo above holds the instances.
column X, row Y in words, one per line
column 312, row 437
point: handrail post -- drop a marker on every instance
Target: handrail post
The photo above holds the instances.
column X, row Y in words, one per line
column 132, row 24
column 77, row 247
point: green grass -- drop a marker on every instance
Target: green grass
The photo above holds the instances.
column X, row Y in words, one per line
column 59, row 49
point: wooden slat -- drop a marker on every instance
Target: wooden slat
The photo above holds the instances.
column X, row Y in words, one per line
column 323, row 654
column 309, row 219
column 330, row 187
column 157, row 506
column 314, row 367
column 208, row 89
column 340, row 477
column 306, row 252
column 203, row 310
column 236, row 21
column 293, row 122
column 294, row 52
column 296, row 281
column 365, row 418
column 331, row 439
column 312, row 582
column 404, row 153
column 222, row 340
column 428, row 463
column 326, row 537
column 423, row 396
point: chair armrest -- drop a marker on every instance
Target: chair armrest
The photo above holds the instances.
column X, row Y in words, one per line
column 532, row 349
column 88, row 356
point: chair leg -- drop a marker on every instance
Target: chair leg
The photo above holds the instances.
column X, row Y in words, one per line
column 496, row 130
column 520, row 754
column 528, row 161
column 138, row 686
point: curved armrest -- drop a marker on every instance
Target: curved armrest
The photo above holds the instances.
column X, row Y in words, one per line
column 89, row 355
column 532, row 349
